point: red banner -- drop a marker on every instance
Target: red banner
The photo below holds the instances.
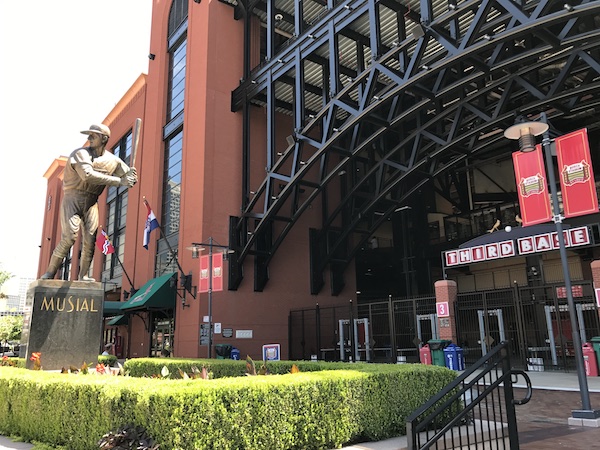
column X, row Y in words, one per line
column 217, row 273
column 532, row 187
column 217, row 283
column 204, row 271
column 576, row 174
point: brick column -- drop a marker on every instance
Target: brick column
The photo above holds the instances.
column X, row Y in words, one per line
column 595, row 265
column 446, row 292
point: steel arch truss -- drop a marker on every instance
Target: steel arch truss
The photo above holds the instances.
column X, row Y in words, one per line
column 386, row 96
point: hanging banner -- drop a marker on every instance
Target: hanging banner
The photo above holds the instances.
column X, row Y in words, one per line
column 576, row 175
column 204, row 271
column 217, row 281
column 530, row 175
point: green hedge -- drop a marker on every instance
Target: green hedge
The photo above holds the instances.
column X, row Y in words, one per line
column 307, row 410
column 13, row 361
column 221, row 368
column 107, row 360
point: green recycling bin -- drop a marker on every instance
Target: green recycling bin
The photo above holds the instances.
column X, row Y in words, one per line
column 437, row 347
column 596, row 344
column 223, row 351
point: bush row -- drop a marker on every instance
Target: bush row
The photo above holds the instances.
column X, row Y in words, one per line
column 307, row 410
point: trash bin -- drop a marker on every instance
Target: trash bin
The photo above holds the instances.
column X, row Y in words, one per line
column 596, row 344
column 235, row 353
column 223, row 351
column 437, row 347
column 589, row 360
column 454, row 358
column 425, row 355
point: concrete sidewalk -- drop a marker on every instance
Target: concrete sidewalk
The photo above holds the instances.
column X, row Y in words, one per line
column 543, row 381
column 7, row 444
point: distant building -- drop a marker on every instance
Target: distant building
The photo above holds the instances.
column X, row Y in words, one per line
column 23, row 286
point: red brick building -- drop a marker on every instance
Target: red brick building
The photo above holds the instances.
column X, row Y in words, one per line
column 337, row 149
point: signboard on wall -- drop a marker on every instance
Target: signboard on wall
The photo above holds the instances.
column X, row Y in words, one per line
column 574, row 237
column 442, row 309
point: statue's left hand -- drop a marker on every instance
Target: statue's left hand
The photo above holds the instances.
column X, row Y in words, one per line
column 130, row 178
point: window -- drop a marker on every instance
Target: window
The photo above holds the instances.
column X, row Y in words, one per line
column 116, row 202
column 177, row 52
column 173, row 135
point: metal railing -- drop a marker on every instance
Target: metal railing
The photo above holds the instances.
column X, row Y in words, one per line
column 476, row 410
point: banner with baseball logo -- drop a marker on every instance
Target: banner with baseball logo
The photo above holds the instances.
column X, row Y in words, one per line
column 532, row 187
column 576, row 175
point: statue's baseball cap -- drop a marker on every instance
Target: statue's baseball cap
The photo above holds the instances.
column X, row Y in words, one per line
column 99, row 129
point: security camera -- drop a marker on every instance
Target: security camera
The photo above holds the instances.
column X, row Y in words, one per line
column 278, row 17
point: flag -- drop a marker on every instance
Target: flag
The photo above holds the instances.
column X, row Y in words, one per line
column 103, row 243
column 151, row 224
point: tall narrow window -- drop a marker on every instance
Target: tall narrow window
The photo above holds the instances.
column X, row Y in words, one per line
column 173, row 137
column 117, row 200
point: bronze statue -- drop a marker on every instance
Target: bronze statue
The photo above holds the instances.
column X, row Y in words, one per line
column 88, row 171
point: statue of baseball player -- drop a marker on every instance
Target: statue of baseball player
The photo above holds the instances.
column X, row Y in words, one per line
column 88, row 171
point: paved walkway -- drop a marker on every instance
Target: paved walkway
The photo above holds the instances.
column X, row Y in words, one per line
column 542, row 421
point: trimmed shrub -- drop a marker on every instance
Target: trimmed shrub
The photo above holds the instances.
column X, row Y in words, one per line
column 307, row 410
column 107, row 360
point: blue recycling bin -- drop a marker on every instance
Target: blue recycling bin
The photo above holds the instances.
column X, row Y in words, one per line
column 235, row 353
column 454, row 357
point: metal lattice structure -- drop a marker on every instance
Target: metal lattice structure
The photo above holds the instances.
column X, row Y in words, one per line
column 384, row 97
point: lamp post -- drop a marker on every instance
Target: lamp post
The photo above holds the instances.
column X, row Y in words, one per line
column 525, row 133
column 196, row 248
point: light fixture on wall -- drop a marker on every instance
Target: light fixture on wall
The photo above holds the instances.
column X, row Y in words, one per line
column 151, row 56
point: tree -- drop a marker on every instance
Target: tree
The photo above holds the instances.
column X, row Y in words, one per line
column 10, row 328
column 4, row 277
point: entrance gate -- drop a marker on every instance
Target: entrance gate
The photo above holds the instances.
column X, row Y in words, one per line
column 534, row 319
column 388, row 330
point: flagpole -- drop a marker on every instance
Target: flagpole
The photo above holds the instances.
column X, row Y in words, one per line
column 120, row 263
column 133, row 289
column 184, row 277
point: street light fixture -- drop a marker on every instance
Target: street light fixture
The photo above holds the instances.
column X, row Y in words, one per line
column 196, row 248
column 525, row 133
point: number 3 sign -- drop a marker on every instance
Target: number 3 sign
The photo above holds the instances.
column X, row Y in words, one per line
column 442, row 309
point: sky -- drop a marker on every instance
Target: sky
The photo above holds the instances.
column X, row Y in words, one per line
column 65, row 65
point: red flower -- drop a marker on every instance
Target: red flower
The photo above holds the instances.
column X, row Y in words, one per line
column 5, row 358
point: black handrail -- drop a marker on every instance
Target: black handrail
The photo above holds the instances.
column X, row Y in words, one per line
column 455, row 414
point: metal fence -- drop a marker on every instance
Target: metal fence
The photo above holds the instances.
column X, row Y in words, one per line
column 534, row 319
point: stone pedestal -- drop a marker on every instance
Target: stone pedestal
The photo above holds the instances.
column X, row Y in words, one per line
column 63, row 322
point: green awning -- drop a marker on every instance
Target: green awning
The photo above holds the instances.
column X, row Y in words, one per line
column 118, row 320
column 112, row 308
column 155, row 294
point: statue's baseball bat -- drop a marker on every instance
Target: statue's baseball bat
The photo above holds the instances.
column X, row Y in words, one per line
column 135, row 137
